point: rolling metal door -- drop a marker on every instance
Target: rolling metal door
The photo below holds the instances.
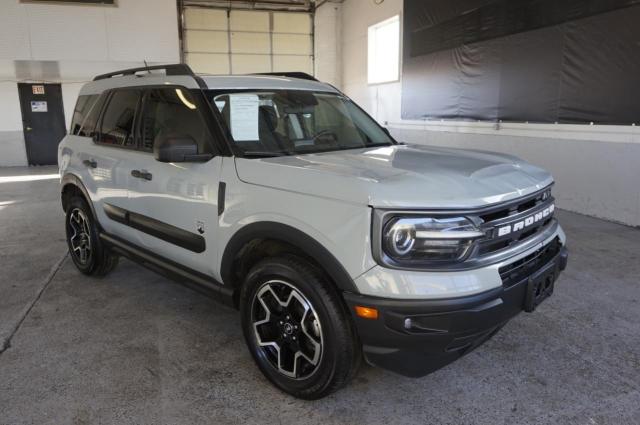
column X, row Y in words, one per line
column 221, row 41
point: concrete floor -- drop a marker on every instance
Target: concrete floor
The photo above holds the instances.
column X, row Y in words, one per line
column 137, row 348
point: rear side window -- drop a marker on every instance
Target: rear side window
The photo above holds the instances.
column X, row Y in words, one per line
column 83, row 106
column 88, row 125
column 116, row 128
column 173, row 112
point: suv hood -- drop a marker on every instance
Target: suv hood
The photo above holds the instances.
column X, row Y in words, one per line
column 400, row 176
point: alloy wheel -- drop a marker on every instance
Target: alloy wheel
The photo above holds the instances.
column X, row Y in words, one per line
column 80, row 237
column 287, row 329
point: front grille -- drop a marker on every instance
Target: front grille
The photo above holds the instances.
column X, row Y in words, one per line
column 537, row 208
column 524, row 267
column 513, row 209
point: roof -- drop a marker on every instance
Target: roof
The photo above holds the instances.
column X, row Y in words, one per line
column 212, row 82
column 264, row 82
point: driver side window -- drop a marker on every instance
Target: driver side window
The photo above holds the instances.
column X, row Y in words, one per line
column 172, row 112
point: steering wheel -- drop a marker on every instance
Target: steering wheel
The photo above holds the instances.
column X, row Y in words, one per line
column 324, row 133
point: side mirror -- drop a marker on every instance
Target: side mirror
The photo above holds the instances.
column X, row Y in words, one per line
column 177, row 148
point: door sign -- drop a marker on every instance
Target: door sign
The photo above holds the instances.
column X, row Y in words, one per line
column 38, row 106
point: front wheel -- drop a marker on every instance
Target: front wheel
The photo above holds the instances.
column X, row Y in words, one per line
column 297, row 329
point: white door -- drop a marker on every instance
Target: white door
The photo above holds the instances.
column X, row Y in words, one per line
column 174, row 206
column 107, row 160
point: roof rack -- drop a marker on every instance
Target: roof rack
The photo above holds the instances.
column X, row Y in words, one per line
column 299, row 75
column 173, row 69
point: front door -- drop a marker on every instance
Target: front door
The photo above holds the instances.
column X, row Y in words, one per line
column 42, row 120
column 175, row 205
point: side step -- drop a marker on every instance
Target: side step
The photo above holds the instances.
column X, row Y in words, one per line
column 192, row 279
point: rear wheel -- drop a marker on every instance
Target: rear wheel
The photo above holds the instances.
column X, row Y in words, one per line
column 296, row 328
column 87, row 252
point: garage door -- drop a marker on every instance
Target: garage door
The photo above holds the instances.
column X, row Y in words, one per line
column 219, row 41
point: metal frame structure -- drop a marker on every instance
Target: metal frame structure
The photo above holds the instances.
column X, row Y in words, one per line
column 273, row 5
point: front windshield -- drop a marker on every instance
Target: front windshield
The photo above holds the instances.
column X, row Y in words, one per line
column 288, row 122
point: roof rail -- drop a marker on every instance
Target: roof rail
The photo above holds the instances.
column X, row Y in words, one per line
column 173, row 69
column 299, row 75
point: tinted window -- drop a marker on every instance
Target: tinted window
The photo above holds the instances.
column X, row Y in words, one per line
column 88, row 126
column 173, row 112
column 83, row 106
column 118, row 119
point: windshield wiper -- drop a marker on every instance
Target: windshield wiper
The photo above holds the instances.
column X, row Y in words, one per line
column 373, row 145
column 264, row 154
column 377, row 145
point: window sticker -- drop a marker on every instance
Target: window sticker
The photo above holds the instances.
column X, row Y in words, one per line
column 244, row 116
column 38, row 106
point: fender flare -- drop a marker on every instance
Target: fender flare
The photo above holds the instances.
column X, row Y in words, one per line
column 290, row 235
column 73, row 180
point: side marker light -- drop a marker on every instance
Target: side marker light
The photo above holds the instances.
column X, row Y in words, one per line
column 366, row 312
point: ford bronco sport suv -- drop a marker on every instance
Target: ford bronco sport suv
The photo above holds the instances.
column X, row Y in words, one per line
column 279, row 196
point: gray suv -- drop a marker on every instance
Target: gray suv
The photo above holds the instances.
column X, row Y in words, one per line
column 279, row 196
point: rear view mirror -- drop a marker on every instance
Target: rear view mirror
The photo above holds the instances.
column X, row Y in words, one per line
column 177, row 148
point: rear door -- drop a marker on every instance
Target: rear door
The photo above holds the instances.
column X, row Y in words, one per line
column 109, row 160
column 79, row 148
column 43, row 121
column 176, row 205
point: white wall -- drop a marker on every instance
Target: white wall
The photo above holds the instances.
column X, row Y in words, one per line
column 69, row 44
column 12, row 149
column 597, row 168
column 328, row 54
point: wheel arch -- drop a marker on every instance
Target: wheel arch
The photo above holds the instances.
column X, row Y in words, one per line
column 71, row 184
column 287, row 236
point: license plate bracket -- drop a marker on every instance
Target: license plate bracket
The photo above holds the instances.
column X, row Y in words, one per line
column 540, row 287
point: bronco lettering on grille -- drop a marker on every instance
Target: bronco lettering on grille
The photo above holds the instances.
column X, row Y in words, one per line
column 528, row 221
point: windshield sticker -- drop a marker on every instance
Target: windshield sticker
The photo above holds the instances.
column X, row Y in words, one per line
column 244, row 116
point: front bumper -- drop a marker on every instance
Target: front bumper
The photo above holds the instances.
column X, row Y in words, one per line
column 417, row 337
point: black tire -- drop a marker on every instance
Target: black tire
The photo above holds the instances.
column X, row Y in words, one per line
column 327, row 322
column 97, row 260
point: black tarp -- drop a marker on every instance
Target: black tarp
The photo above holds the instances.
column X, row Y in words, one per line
column 545, row 61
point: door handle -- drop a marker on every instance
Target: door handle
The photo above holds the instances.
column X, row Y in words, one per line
column 141, row 174
column 90, row 163
column 28, row 128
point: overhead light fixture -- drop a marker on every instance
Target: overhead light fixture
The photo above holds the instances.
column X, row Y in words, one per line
column 184, row 99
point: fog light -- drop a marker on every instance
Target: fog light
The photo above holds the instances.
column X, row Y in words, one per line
column 407, row 323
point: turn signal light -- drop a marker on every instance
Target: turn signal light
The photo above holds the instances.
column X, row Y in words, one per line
column 366, row 312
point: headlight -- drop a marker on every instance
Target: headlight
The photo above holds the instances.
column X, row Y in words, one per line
column 428, row 239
